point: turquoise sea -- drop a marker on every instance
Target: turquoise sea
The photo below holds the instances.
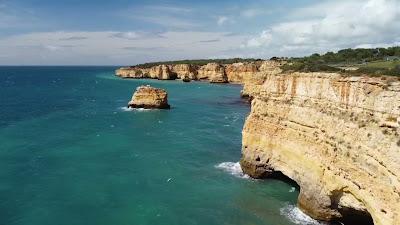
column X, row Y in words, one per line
column 72, row 154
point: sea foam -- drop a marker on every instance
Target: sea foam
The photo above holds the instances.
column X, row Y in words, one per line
column 232, row 168
column 295, row 215
column 127, row 109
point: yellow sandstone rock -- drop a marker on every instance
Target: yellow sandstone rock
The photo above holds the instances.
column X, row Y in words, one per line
column 337, row 137
column 213, row 72
column 185, row 71
column 149, row 97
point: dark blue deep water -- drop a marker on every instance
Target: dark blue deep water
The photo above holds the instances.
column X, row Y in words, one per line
column 71, row 154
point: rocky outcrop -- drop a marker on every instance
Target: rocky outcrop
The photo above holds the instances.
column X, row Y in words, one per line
column 252, row 82
column 131, row 72
column 239, row 72
column 242, row 73
column 337, row 137
column 149, row 98
column 161, row 72
column 185, row 71
column 213, row 72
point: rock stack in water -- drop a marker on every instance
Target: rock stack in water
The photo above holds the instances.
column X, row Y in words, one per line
column 148, row 97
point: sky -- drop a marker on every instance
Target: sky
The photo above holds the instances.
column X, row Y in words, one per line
column 122, row 32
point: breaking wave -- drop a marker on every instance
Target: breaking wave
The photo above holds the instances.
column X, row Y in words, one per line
column 295, row 215
column 232, row 168
column 127, row 109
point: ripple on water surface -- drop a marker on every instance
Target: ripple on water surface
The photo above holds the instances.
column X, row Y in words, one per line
column 74, row 156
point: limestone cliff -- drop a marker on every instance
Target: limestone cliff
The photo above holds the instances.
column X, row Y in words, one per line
column 213, row 72
column 337, row 137
column 131, row 72
column 238, row 72
column 149, row 97
column 185, row 71
column 243, row 73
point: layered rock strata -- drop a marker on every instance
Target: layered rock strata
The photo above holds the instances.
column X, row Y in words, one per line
column 185, row 71
column 243, row 73
column 149, row 98
column 337, row 137
column 213, row 72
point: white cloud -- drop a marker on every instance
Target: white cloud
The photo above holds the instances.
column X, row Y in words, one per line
column 333, row 25
column 113, row 48
column 221, row 20
column 73, row 38
column 170, row 17
column 168, row 21
column 250, row 13
column 137, row 35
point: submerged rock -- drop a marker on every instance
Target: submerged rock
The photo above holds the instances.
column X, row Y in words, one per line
column 149, row 98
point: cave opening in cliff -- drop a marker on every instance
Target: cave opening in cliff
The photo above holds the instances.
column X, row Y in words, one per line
column 349, row 216
column 352, row 216
column 282, row 177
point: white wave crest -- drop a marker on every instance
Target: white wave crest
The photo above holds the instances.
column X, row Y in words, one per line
column 127, row 109
column 295, row 215
column 232, row 168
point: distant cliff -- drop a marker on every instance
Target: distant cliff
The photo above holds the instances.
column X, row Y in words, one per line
column 213, row 72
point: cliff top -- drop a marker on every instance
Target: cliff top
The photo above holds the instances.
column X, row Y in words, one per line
column 198, row 62
column 373, row 61
column 354, row 62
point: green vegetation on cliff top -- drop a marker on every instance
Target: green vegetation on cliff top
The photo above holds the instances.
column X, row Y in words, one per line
column 199, row 62
column 373, row 61
column 376, row 61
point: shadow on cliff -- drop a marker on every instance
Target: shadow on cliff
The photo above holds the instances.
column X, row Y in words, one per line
column 349, row 216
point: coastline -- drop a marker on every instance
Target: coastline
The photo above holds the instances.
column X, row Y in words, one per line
column 339, row 198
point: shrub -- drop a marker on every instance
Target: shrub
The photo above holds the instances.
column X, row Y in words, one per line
column 309, row 67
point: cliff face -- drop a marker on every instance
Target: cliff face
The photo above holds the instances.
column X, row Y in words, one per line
column 337, row 137
column 243, row 73
column 185, row 71
column 213, row 72
column 238, row 72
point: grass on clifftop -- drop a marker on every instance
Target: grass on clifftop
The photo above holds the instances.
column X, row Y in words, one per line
column 376, row 61
column 199, row 62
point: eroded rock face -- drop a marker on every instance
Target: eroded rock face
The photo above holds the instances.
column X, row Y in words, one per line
column 337, row 137
column 130, row 72
column 185, row 71
column 242, row 73
column 161, row 72
column 239, row 72
column 149, row 98
column 252, row 83
column 214, row 72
